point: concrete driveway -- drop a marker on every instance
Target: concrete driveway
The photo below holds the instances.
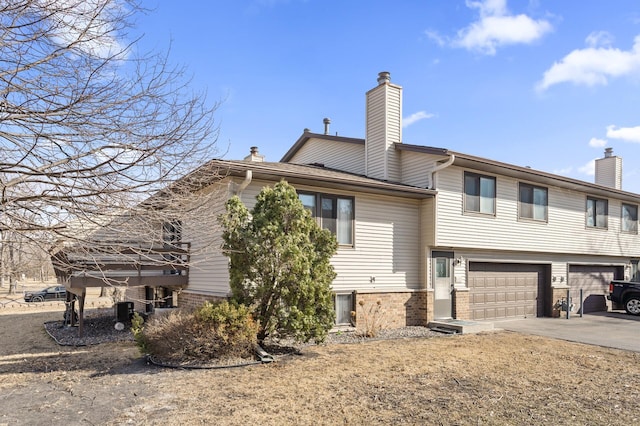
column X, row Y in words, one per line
column 610, row 329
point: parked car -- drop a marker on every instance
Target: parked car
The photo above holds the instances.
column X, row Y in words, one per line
column 56, row 292
column 627, row 294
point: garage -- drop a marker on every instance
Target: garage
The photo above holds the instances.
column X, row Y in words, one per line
column 594, row 282
column 506, row 290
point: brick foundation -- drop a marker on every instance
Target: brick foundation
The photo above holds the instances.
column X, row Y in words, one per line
column 461, row 308
column 558, row 294
column 396, row 309
column 429, row 301
column 190, row 301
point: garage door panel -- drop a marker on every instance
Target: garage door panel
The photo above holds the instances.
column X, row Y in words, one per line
column 594, row 282
column 504, row 290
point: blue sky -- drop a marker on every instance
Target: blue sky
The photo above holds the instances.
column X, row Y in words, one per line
column 542, row 83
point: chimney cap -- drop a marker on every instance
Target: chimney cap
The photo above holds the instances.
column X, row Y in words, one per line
column 253, row 150
column 608, row 152
column 384, row 77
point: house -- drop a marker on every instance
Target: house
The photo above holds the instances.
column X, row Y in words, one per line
column 429, row 232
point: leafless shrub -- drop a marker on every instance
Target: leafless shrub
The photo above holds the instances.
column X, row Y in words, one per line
column 372, row 319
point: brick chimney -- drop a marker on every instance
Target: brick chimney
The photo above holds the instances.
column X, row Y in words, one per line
column 383, row 129
column 609, row 170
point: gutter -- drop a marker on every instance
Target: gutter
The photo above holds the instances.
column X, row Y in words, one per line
column 245, row 182
column 442, row 166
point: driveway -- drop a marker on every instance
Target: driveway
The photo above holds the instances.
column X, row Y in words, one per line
column 610, row 329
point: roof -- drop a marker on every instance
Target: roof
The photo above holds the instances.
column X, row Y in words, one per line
column 316, row 175
column 308, row 135
column 523, row 173
column 484, row 164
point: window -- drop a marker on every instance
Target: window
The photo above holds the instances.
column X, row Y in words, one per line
column 630, row 218
column 479, row 193
column 334, row 213
column 533, row 202
column 344, row 306
column 596, row 213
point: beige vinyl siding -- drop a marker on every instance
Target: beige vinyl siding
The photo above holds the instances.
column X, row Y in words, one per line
column 608, row 172
column 427, row 226
column 565, row 231
column 348, row 157
column 375, row 156
column 209, row 270
column 386, row 246
column 417, row 167
column 394, row 133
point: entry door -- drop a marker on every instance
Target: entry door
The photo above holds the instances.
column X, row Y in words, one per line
column 442, row 286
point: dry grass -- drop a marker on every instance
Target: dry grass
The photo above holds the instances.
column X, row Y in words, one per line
column 498, row 378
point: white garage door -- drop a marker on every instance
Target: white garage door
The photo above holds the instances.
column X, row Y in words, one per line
column 594, row 282
column 504, row 290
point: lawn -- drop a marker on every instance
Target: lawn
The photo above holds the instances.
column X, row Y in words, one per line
column 494, row 378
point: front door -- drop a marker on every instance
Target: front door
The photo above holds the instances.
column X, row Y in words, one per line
column 442, row 286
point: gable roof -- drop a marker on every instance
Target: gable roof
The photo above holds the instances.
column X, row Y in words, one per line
column 483, row 164
column 308, row 135
column 315, row 175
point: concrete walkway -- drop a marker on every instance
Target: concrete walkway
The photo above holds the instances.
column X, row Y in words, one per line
column 610, row 329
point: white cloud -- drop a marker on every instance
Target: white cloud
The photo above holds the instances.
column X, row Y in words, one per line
column 437, row 38
column 599, row 39
column 88, row 22
column 629, row 134
column 496, row 28
column 415, row 117
column 597, row 143
column 593, row 65
column 565, row 171
column 589, row 168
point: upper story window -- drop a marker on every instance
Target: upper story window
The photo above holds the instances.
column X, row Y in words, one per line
column 479, row 193
column 334, row 213
column 533, row 202
column 596, row 212
column 630, row 218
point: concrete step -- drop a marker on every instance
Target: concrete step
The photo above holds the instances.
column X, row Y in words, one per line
column 454, row 326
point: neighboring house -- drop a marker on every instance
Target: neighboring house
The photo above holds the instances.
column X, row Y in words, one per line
column 433, row 233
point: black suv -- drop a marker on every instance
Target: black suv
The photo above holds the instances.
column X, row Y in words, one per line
column 49, row 293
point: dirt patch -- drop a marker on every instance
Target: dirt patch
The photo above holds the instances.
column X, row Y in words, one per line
column 495, row 378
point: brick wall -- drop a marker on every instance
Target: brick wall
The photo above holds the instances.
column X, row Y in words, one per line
column 461, row 309
column 396, row 309
column 190, row 301
column 557, row 294
column 429, row 301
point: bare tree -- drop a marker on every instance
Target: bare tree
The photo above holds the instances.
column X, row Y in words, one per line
column 90, row 127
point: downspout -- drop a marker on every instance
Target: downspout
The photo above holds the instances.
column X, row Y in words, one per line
column 245, row 183
column 444, row 165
